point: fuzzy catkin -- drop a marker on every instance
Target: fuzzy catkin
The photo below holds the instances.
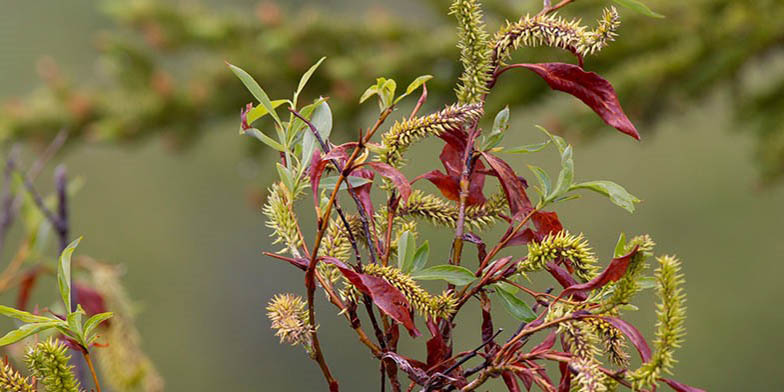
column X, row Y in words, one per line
column 403, row 134
column 12, row 381
column 281, row 219
column 670, row 330
column 48, row 362
column 124, row 365
column 628, row 286
column 581, row 340
column 289, row 316
column 442, row 212
column 572, row 249
column 554, row 31
column 475, row 51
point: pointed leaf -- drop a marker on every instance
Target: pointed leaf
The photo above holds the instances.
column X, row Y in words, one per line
column 617, row 194
column 418, row 82
column 565, row 177
column 590, row 88
column 453, row 274
column 64, row 273
column 526, row 149
column 257, row 91
column 519, row 205
column 612, row 273
column 387, row 171
column 322, row 120
column 515, row 306
column 620, row 246
column 25, row 331
column 306, row 76
column 22, row 315
column 260, row 110
column 94, row 321
column 637, row 6
column 264, row 139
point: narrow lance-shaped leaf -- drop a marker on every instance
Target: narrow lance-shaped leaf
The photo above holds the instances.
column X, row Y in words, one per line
column 638, row 6
column 303, row 81
column 64, row 273
column 590, row 88
column 418, row 82
column 519, row 205
column 612, row 273
column 526, row 149
column 515, row 306
column 453, row 274
column 406, row 245
column 322, row 120
column 94, row 321
column 421, row 256
column 387, row 171
column 565, row 177
column 25, row 331
column 256, row 90
column 264, row 139
column 678, row 387
column 22, row 315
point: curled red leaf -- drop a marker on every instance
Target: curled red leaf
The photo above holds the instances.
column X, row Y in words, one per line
column 449, row 183
column 545, row 222
column 590, row 88
column 317, row 166
column 612, row 273
column 394, row 175
column 680, row 387
column 510, row 381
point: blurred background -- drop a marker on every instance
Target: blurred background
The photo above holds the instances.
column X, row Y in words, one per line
column 173, row 193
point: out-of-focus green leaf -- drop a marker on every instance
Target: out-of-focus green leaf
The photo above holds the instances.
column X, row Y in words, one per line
column 64, row 273
column 260, row 110
column 453, row 274
column 94, row 321
column 421, row 256
column 500, row 125
column 526, row 149
column 637, row 6
column 257, row 91
column 544, row 179
column 306, row 77
column 264, row 139
column 559, row 141
column 25, row 331
column 331, row 181
column 620, row 246
column 565, row 177
column 414, row 85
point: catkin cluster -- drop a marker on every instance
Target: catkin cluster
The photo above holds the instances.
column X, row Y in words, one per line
column 48, row 361
column 572, row 249
column 554, row 31
column 403, row 134
column 289, row 317
column 12, row 381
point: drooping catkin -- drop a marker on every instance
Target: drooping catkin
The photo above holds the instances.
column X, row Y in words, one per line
column 554, row 31
column 403, row 134
column 281, row 219
column 442, row 212
column 124, row 365
column 573, row 249
column 289, row 316
column 670, row 330
column 12, row 381
column 475, row 51
column 48, row 363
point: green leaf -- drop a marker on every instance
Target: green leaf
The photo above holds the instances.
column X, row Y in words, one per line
column 526, row 149
column 257, row 91
column 306, row 77
column 414, row 85
column 64, row 273
column 638, row 6
column 25, row 331
column 406, row 247
column 617, row 194
column 544, row 179
column 620, row 246
column 331, row 181
column 565, row 177
column 21, row 315
column 94, row 321
column 260, row 111
column 322, row 120
column 515, row 306
column 500, row 125
column 371, row 91
column 421, row 256
column 387, row 92
column 285, row 176
column 453, row 274
column 559, row 141
column 264, row 139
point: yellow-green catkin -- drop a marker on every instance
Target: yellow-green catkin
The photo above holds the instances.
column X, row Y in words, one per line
column 441, row 306
column 629, row 285
column 281, row 219
column 670, row 331
column 123, row 363
column 554, row 31
column 573, row 248
column 475, row 51
column 12, row 381
column 48, row 363
column 403, row 134
column 613, row 340
column 289, row 316
column 335, row 244
column 442, row 212
column 581, row 342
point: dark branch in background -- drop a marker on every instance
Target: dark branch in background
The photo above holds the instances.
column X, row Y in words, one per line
column 8, row 197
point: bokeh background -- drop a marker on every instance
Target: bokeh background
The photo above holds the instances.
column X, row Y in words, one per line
column 180, row 209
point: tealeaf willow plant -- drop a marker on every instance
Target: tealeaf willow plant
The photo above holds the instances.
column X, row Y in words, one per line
column 352, row 256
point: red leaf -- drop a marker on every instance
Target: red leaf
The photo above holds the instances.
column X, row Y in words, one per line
column 680, row 387
column 26, row 286
column 590, row 88
column 317, row 166
column 545, row 222
column 546, row 344
column 449, row 183
column 91, row 300
column 612, row 273
column 394, row 175
column 519, row 205
column 412, row 368
column 634, row 336
column 448, row 186
column 389, row 299
column 566, row 378
column 510, row 381
column 527, row 378
column 341, row 152
column 565, row 279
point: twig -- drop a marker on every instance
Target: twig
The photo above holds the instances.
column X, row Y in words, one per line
column 548, row 8
column 92, row 370
column 8, row 196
